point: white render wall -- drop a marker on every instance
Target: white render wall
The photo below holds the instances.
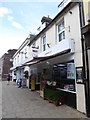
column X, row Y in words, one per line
column 38, row 43
column 21, row 55
column 81, row 106
column 51, row 36
column 73, row 21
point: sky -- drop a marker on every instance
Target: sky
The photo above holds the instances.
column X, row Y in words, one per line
column 20, row 18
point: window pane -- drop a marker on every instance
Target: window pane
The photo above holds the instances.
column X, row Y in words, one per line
column 44, row 47
column 61, row 31
column 44, row 43
column 61, row 36
column 61, row 26
column 44, row 40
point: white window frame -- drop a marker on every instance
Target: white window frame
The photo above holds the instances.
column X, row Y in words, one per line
column 62, row 31
column 44, row 42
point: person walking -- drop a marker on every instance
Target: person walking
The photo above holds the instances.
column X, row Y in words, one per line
column 14, row 78
column 8, row 79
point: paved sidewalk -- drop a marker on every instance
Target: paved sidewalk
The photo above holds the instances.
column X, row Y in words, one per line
column 22, row 103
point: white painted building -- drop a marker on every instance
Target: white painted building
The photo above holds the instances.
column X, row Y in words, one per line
column 58, row 44
column 22, row 55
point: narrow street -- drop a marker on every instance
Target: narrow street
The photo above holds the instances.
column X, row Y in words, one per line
column 22, row 103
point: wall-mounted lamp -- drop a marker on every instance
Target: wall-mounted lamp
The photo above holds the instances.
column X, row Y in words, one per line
column 48, row 44
column 70, row 12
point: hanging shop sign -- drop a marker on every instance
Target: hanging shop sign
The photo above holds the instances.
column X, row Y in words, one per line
column 35, row 52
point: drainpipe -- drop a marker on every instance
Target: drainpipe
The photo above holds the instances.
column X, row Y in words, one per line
column 86, row 76
column 85, row 61
column 87, row 85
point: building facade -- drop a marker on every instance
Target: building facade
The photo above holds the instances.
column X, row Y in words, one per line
column 22, row 55
column 6, row 63
column 57, row 51
column 86, row 51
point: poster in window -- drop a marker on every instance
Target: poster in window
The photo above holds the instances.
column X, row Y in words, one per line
column 70, row 71
column 35, row 52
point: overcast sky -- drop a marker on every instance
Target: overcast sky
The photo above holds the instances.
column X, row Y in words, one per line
column 19, row 19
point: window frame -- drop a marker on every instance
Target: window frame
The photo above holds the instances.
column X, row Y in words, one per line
column 43, row 41
column 61, row 30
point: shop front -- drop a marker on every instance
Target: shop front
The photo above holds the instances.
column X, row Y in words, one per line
column 60, row 71
column 55, row 66
column 58, row 66
column 34, row 76
column 63, row 69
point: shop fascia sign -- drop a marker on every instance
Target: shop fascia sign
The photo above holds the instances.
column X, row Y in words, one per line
column 60, row 47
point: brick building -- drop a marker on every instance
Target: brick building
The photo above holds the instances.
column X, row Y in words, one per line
column 6, row 63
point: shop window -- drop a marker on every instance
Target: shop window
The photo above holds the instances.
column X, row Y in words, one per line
column 64, row 75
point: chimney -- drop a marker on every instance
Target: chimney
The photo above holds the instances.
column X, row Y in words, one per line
column 46, row 19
